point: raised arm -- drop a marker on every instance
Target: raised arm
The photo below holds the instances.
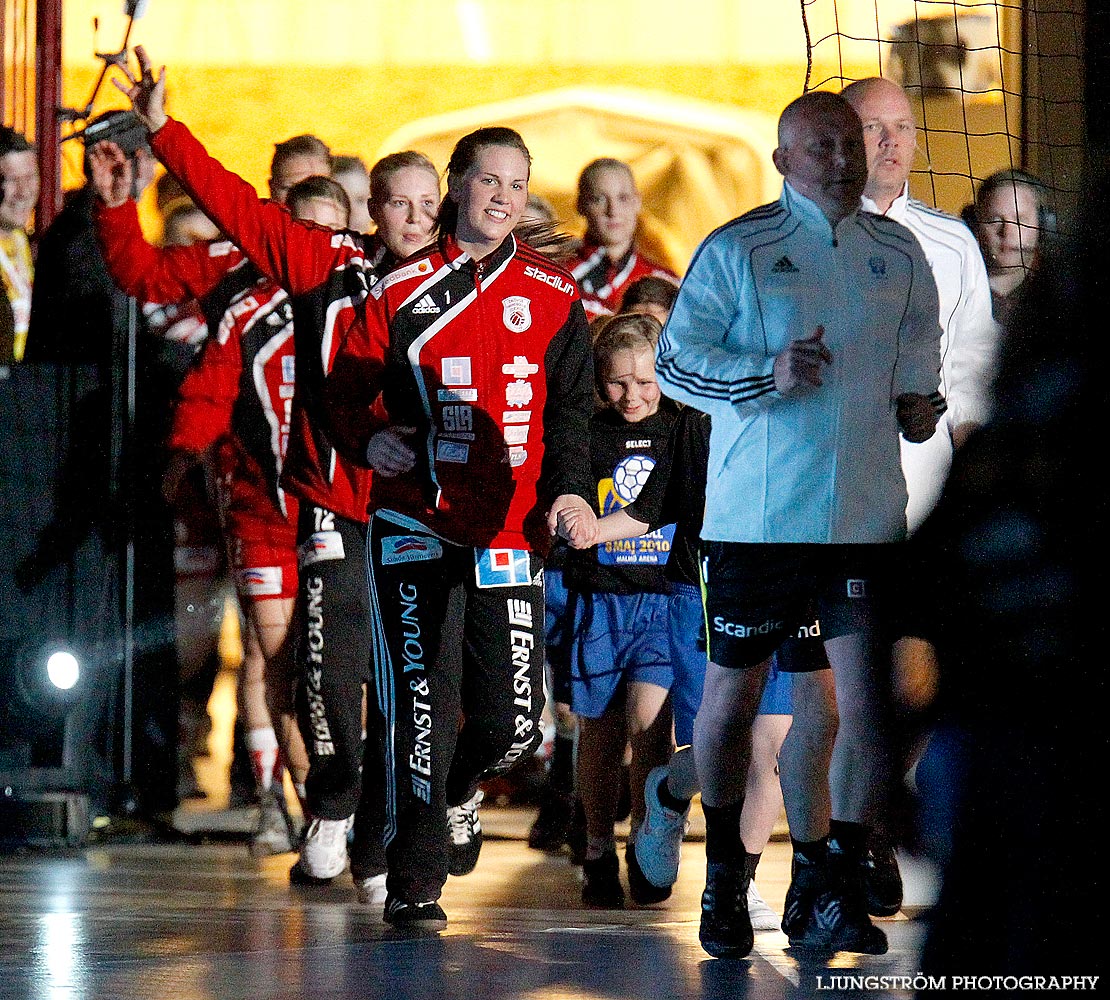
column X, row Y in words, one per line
column 298, row 256
column 149, row 273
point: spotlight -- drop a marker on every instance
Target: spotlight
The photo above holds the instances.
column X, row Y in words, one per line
column 64, row 669
column 43, row 681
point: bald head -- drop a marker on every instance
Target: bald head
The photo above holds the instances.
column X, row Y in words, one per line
column 820, row 152
column 889, row 133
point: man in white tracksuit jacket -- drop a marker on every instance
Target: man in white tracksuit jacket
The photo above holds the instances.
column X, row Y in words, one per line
column 808, row 331
column 969, row 344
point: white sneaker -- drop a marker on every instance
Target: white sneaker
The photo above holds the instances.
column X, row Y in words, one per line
column 324, row 851
column 371, row 890
column 762, row 916
column 274, row 832
column 464, row 835
column 659, row 840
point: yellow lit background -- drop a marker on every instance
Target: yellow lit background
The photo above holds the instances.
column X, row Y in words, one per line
column 687, row 93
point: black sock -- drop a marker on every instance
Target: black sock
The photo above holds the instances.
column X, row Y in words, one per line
column 751, row 861
column 848, row 839
column 722, row 833
column 813, row 852
column 670, row 801
column 561, row 776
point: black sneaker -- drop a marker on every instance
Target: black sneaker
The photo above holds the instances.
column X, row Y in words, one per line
column 427, row 916
column 807, row 882
column 551, row 827
column 882, row 879
column 643, row 893
column 464, row 835
column 601, row 884
column 726, row 930
column 839, row 920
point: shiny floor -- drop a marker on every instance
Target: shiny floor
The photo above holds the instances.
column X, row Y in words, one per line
column 207, row 923
column 203, row 921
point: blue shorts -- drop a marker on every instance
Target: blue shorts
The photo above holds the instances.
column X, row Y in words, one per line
column 618, row 638
column 689, row 658
column 558, row 633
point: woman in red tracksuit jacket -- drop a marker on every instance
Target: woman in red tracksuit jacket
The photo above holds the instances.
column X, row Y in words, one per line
column 236, row 404
column 481, row 348
column 332, row 616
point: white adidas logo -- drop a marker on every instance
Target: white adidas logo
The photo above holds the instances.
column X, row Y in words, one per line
column 425, row 307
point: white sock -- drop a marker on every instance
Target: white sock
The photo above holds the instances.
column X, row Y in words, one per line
column 262, row 745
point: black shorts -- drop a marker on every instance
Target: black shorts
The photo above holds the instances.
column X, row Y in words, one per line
column 758, row 596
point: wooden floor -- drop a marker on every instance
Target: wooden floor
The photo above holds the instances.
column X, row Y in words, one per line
column 189, row 922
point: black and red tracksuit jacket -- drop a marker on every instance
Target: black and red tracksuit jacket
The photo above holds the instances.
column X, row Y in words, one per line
column 214, row 274
column 238, row 398
column 603, row 282
column 491, row 360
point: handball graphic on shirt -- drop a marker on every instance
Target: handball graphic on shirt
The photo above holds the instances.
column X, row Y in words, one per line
column 619, row 491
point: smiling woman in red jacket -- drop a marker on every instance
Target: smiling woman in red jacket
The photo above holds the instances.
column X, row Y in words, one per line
column 464, row 379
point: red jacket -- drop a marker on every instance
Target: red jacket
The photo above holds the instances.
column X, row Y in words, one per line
column 490, row 360
column 239, row 398
column 486, row 472
column 214, row 274
column 602, row 282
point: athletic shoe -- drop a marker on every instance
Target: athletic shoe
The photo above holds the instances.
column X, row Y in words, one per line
column 882, row 879
column 370, row 889
column 464, row 835
column 659, row 839
column 601, row 884
column 839, row 920
column 763, row 918
column 551, row 827
column 274, row 831
column 726, row 929
column 324, row 851
column 298, row 876
column 643, row 893
column 807, row 882
column 427, row 916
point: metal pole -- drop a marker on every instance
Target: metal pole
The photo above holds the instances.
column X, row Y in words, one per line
column 48, row 98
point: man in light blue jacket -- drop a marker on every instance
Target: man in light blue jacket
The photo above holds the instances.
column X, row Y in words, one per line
column 809, row 331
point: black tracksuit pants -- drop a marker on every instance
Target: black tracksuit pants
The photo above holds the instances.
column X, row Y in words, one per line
column 334, row 660
column 428, row 599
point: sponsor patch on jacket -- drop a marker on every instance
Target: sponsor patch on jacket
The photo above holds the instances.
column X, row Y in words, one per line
column 516, row 313
column 415, row 269
column 452, row 451
column 501, row 568
column 410, row 548
column 261, row 581
column 516, row 434
column 458, row 395
column 455, row 371
column 321, row 546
